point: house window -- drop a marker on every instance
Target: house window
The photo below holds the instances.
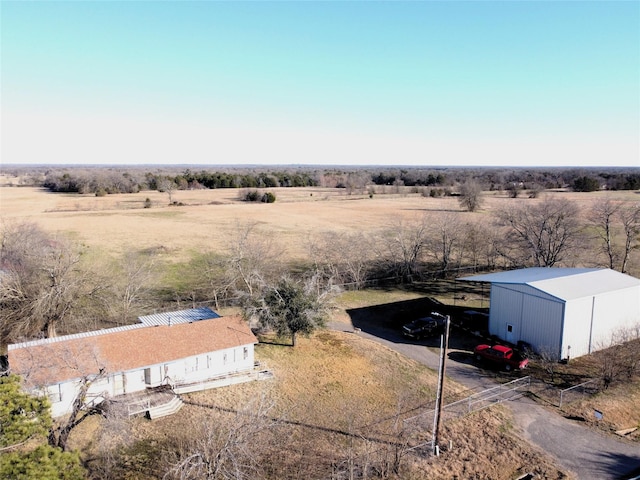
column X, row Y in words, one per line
column 55, row 393
column 246, row 352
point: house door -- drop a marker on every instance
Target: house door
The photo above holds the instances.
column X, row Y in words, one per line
column 118, row 384
column 510, row 335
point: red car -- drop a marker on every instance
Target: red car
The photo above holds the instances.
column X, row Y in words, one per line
column 501, row 356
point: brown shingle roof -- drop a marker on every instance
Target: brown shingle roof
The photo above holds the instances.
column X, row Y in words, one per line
column 54, row 362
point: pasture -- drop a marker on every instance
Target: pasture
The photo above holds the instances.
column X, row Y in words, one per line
column 205, row 220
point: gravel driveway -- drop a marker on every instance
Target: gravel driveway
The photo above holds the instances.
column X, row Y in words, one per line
column 589, row 454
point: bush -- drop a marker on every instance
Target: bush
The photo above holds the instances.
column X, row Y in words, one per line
column 254, row 196
column 268, row 197
column 251, row 196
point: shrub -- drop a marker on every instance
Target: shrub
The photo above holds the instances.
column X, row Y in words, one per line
column 251, row 196
column 268, row 197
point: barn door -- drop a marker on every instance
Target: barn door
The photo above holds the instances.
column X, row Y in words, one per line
column 509, row 337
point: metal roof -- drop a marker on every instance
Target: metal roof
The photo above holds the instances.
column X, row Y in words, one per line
column 180, row 316
column 563, row 283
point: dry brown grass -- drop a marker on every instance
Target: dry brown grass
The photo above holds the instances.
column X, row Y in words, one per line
column 116, row 223
column 336, row 395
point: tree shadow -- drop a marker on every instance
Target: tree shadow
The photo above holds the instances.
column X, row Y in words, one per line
column 271, row 339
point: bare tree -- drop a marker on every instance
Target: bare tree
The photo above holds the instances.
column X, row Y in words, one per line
column 223, row 444
column 42, row 282
column 549, row 358
column 471, row 195
column 130, row 291
column 404, row 244
column 604, row 213
column 113, row 436
column 253, row 259
column 614, row 220
column 342, row 258
column 618, row 356
column 545, row 231
column 445, row 237
column 479, row 241
column 630, row 218
column 168, row 186
column 218, row 280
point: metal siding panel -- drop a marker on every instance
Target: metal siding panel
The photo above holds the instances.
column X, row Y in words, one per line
column 613, row 312
column 542, row 323
column 535, row 316
column 577, row 327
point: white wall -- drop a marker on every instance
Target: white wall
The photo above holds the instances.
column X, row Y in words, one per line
column 192, row 369
column 535, row 316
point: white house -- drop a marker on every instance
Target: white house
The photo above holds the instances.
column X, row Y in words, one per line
column 567, row 312
column 187, row 350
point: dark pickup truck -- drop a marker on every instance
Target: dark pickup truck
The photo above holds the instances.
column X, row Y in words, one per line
column 424, row 327
column 500, row 356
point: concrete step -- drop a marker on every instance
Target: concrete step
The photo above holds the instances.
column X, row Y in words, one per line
column 166, row 409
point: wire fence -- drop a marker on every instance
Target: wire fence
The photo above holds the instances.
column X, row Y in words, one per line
column 423, row 423
column 578, row 392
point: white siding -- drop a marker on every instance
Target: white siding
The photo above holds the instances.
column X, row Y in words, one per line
column 536, row 317
column 542, row 324
column 188, row 370
column 577, row 327
column 615, row 311
column 134, row 381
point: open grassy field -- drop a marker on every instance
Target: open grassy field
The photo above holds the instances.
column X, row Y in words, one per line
column 208, row 218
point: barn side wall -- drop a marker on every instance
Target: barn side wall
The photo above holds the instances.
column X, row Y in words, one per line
column 535, row 317
column 595, row 322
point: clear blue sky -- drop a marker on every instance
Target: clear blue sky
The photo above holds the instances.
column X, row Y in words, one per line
column 357, row 83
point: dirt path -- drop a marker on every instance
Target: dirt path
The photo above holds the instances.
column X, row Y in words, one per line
column 587, row 453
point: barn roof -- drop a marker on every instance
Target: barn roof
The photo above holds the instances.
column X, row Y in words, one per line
column 50, row 361
column 563, row 283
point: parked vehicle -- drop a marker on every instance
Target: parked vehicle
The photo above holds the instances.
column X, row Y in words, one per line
column 424, row 327
column 501, row 356
column 475, row 320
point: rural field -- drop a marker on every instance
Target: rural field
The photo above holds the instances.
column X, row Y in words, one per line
column 207, row 219
column 336, row 398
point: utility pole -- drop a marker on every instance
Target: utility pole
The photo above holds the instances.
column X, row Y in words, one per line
column 444, row 344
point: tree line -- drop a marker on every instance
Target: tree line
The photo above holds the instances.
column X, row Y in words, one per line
column 111, row 180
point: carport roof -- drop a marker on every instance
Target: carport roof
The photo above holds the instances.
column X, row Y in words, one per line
column 563, row 283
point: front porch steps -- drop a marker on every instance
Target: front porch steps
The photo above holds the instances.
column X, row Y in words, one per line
column 165, row 409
